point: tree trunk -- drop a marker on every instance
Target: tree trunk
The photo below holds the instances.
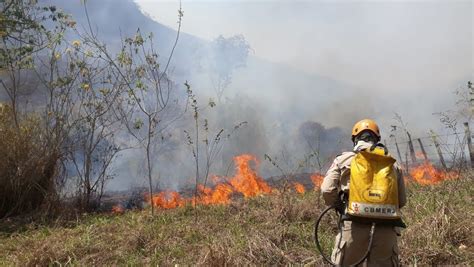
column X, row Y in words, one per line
column 148, row 148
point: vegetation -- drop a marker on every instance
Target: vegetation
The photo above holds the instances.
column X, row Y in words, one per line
column 83, row 96
column 274, row 229
column 70, row 107
column 30, row 168
column 27, row 168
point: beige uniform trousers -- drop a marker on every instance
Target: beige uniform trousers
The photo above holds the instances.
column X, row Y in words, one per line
column 352, row 245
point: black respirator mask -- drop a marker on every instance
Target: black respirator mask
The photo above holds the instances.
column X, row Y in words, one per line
column 366, row 136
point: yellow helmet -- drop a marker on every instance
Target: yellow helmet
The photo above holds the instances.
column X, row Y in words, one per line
column 365, row 124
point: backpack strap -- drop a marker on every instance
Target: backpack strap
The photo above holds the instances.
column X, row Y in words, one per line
column 387, row 222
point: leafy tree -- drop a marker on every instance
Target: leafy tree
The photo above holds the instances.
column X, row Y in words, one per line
column 24, row 35
column 30, row 165
column 227, row 55
column 148, row 103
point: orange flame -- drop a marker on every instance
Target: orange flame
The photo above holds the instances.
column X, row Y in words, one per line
column 118, row 209
column 248, row 183
column 317, row 180
column 299, row 188
column 219, row 195
column 427, row 174
column 245, row 181
column 166, row 200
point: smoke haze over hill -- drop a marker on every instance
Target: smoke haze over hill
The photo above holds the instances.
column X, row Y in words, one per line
column 308, row 75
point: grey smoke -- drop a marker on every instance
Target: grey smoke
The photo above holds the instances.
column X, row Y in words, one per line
column 289, row 111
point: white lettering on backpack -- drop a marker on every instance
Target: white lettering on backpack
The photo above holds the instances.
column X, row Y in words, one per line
column 373, row 210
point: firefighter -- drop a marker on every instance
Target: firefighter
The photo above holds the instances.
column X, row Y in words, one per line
column 352, row 242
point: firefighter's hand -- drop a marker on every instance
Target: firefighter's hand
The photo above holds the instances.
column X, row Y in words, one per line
column 340, row 206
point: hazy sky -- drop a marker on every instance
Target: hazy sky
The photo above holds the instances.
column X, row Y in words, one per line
column 410, row 55
column 396, row 46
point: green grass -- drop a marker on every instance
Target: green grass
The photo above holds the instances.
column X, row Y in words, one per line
column 268, row 230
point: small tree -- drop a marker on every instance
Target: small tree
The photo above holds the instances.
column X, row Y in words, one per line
column 23, row 35
column 148, row 104
column 94, row 125
column 227, row 55
column 212, row 143
column 78, row 120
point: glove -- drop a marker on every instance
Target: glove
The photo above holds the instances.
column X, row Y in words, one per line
column 340, row 206
column 379, row 145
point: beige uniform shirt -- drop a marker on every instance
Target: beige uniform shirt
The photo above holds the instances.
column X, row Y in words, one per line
column 337, row 177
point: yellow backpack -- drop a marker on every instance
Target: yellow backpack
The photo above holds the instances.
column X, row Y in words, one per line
column 373, row 186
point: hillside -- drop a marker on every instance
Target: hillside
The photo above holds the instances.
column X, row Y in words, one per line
column 274, row 99
column 128, row 142
column 259, row 78
column 273, row 229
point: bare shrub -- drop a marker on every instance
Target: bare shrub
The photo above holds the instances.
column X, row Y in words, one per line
column 28, row 168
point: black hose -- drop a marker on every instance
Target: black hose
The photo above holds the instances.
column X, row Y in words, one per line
column 318, row 245
column 316, row 239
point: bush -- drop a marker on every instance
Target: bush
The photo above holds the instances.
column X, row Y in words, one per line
column 27, row 168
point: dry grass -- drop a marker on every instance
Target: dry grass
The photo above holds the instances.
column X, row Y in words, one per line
column 440, row 223
column 28, row 165
column 272, row 230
